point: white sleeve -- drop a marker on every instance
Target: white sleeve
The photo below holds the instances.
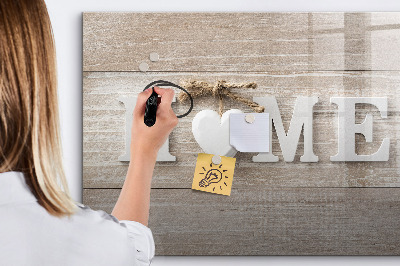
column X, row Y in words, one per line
column 142, row 238
column 139, row 235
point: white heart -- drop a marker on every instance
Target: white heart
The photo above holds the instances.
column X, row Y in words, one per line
column 212, row 132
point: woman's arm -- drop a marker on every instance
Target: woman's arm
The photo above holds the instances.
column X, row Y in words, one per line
column 134, row 201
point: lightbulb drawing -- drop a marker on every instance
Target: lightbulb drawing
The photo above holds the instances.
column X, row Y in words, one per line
column 213, row 176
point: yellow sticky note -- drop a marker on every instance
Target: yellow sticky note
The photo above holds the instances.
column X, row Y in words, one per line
column 214, row 178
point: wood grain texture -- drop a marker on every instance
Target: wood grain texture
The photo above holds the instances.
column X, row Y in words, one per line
column 270, row 221
column 104, row 129
column 241, row 41
column 294, row 208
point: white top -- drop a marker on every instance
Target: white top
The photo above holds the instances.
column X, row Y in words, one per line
column 31, row 236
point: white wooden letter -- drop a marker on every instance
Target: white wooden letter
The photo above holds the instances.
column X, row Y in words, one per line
column 163, row 153
column 348, row 128
column 302, row 117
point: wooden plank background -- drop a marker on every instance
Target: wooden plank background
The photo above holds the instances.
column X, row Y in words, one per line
column 346, row 208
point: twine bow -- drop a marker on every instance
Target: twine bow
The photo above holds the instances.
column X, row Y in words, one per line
column 220, row 89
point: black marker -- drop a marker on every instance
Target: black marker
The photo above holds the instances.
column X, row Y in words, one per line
column 151, row 109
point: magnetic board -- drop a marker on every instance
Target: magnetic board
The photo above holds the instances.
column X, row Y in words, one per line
column 275, row 208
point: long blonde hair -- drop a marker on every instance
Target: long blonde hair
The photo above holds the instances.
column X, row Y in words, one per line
column 29, row 119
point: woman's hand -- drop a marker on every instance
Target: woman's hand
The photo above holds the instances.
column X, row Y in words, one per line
column 146, row 139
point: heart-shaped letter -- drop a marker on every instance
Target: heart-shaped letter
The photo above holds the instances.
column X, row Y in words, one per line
column 212, row 132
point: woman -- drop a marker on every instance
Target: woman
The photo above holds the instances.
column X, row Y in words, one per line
column 39, row 222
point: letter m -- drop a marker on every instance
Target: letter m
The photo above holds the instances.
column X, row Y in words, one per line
column 302, row 119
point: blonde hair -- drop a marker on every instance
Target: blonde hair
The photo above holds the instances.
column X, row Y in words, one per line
column 29, row 122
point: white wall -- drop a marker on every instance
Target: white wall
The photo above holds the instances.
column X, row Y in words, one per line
column 67, row 24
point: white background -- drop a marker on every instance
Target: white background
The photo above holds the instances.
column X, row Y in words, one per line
column 66, row 18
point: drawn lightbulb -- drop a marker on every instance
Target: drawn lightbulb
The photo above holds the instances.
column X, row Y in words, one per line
column 212, row 176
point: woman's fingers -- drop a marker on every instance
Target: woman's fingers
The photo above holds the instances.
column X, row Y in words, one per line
column 141, row 102
column 167, row 95
column 164, row 108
